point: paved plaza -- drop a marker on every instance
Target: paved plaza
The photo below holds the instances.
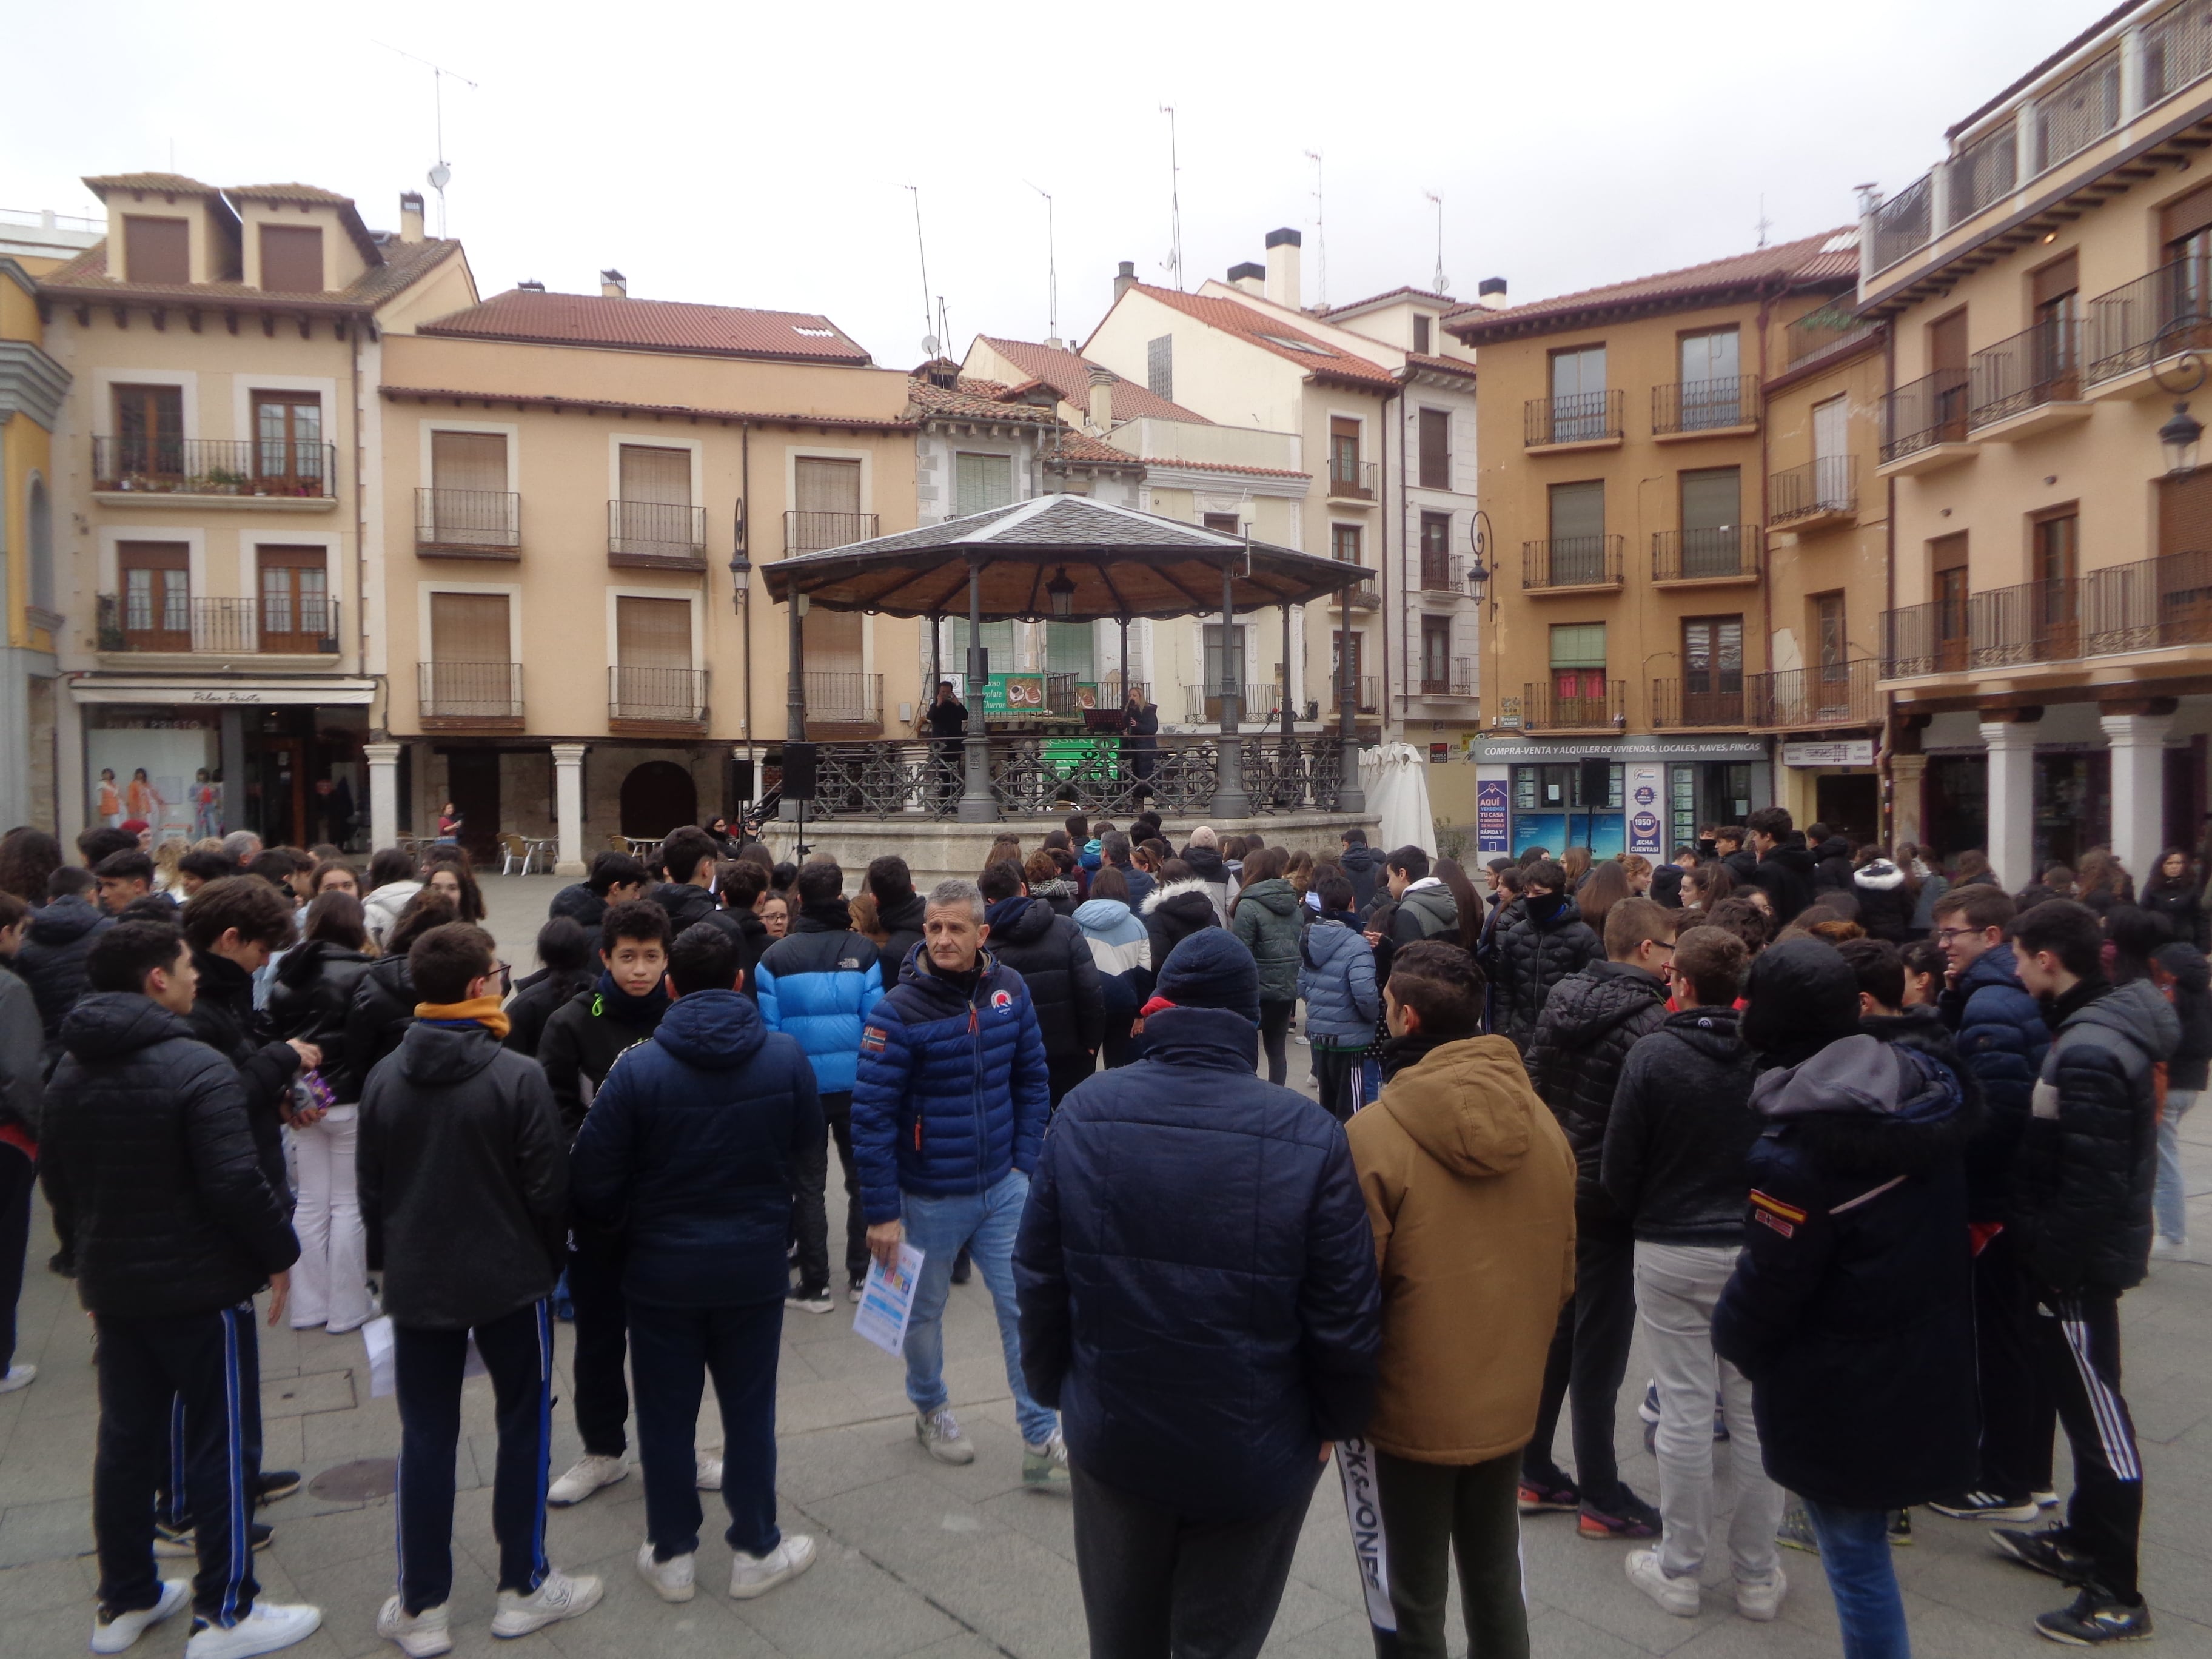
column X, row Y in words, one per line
column 922, row 1560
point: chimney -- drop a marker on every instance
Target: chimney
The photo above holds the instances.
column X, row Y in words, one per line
column 1125, row 278
column 410, row 215
column 613, row 285
column 531, row 285
column 1489, row 293
column 1251, row 277
column 1102, row 400
column 1283, row 267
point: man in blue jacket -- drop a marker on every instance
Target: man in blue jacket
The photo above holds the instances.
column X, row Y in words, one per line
column 691, row 1155
column 2001, row 1038
column 948, row 1109
column 1199, row 1293
column 818, row 984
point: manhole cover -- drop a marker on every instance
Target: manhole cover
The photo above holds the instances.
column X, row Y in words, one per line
column 351, row 1483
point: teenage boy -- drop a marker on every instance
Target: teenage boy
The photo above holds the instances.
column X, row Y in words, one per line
column 691, row 1154
column 1538, row 941
column 1426, row 907
column 1589, row 1023
column 616, row 878
column 148, row 1152
column 465, row 1192
column 898, row 912
column 2086, row 1166
column 816, row 984
column 124, row 877
column 234, row 925
column 1470, row 1190
column 1785, row 869
column 687, row 858
column 1674, row 1162
column 739, row 917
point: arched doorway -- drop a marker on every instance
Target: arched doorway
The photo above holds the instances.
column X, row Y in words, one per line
column 657, row 797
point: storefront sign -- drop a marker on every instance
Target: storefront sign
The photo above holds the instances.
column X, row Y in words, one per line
column 1645, row 785
column 1492, row 833
column 337, row 691
column 1850, row 752
column 1014, row 694
column 1502, row 749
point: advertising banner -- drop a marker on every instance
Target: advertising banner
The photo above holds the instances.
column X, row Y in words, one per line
column 1491, row 798
column 1646, row 791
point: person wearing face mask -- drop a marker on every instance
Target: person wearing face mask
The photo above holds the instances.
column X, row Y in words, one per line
column 1532, row 951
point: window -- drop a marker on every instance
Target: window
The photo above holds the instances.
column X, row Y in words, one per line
column 1578, row 686
column 1712, row 538
column 292, row 258
column 471, row 668
column 1344, row 543
column 2055, row 607
column 474, row 461
column 1947, row 558
column 653, row 679
column 1711, row 395
column 1947, row 361
column 981, row 482
column 1578, row 394
column 1577, row 527
column 1831, row 465
column 655, row 475
column 1346, row 652
column 1831, row 643
column 288, row 432
column 1421, row 333
column 1436, row 656
column 1070, row 649
column 150, row 429
column 157, row 250
column 1227, row 523
column 157, row 609
column 296, row 598
column 1344, row 458
column 1159, row 367
column 1436, row 449
column 653, row 515
column 1214, row 668
column 826, row 504
column 1712, row 669
column 1436, row 535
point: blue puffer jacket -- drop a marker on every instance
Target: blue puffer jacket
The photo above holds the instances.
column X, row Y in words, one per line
column 691, row 1152
column 952, row 1092
column 818, row 985
column 1336, row 977
column 2001, row 1038
column 1197, row 1277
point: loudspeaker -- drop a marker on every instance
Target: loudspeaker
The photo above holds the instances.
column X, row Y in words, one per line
column 1597, row 783
column 799, row 771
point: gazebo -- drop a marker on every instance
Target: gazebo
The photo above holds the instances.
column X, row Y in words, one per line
column 1066, row 558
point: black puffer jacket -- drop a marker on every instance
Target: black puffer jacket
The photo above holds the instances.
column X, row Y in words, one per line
column 750, row 933
column 222, row 1016
column 1055, row 961
column 533, row 1002
column 383, row 1009
column 1832, row 864
column 684, row 903
column 1174, row 912
column 1678, row 1140
column 2082, row 1182
column 1576, row 1056
column 1787, row 873
column 902, row 921
column 52, row 960
column 1885, row 905
column 311, row 1001
column 582, row 1040
column 1742, row 865
column 1528, row 956
column 151, row 1167
column 1363, row 868
column 580, row 904
column 2190, row 1063
column 2180, row 906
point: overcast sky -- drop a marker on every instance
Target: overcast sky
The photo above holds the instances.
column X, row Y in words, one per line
column 750, row 155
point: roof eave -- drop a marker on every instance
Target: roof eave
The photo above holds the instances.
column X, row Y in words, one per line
column 816, row 360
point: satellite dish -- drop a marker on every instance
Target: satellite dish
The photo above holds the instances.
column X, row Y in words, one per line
column 929, row 343
column 440, row 176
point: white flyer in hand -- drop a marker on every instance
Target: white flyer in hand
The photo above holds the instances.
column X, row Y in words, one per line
column 376, row 1337
column 887, row 1301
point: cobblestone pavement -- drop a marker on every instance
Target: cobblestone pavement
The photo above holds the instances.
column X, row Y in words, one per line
column 919, row 1559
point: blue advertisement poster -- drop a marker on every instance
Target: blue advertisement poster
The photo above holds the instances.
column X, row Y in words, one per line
column 1491, row 798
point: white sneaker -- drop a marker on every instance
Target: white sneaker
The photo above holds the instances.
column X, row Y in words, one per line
column 709, row 1476
column 817, row 1302
column 1760, row 1599
column 267, row 1628
column 1045, row 1465
column 940, row 1434
column 18, row 1376
column 585, row 1476
column 1678, row 1595
column 672, row 1579
column 422, row 1635
column 2162, row 1248
column 559, row 1597
column 756, row 1575
column 114, row 1635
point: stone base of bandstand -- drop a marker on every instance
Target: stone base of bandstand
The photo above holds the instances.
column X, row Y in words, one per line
column 935, row 848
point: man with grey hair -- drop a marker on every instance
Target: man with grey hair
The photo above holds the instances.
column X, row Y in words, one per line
column 243, row 845
column 949, row 1111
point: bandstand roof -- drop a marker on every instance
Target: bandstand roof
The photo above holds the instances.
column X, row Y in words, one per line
column 1123, row 563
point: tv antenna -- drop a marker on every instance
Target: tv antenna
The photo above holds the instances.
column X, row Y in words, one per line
column 1764, row 223
column 1175, row 199
column 929, row 339
column 440, row 174
column 1320, row 227
column 1051, row 271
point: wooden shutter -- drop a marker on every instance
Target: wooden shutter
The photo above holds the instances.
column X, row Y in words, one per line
column 157, row 250
column 2057, row 280
column 1711, row 498
column 653, row 633
column 292, row 258
column 469, row 460
column 983, row 482
column 1947, row 342
column 833, row 643
column 1578, row 510
column 826, row 486
column 662, row 477
column 1436, row 449
column 2185, row 216
column 469, row 628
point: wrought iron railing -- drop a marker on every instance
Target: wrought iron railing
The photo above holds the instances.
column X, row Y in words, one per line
column 1705, row 405
column 147, row 622
column 1202, row 704
column 1827, row 484
column 1985, row 171
column 1828, row 694
column 1369, row 691
column 1720, row 554
column 1925, row 639
column 1711, row 699
column 676, row 697
column 468, row 690
column 656, row 529
column 1443, row 573
column 1458, row 680
column 1545, row 708
column 1571, row 562
column 2148, row 605
column 1925, row 412
column 1829, row 328
column 2177, row 50
column 167, row 465
column 467, row 520
column 1351, row 480
column 1111, row 694
column 1901, row 223
column 2154, row 317
column 2077, row 112
column 817, row 533
column 2026, row 623
column 1580, row 418
column 841, row 698
column 2038, row 366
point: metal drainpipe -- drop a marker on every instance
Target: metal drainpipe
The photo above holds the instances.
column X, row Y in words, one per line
column 745, row 640
column 1765, row 483
column 360, row 529
column 1889, row 596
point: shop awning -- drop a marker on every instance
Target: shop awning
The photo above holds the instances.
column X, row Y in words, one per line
column 220, row 692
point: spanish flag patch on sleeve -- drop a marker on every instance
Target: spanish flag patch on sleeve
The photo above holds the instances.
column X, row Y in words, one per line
column 1771, row 1211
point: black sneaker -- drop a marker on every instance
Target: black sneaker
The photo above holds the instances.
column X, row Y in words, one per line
column 1984, row 1506
column 2047, row 1551
column 276, row 1484
column 1628, row 1516
column 2093, row 1620
column 181, row 1543
column 1901, row 1528
column 854, row 1286
column 1548, row 1494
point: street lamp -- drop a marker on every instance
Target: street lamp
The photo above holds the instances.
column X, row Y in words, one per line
column 1478, row 573
column 2179, row 438
column 741, row 578
column 1062, row 590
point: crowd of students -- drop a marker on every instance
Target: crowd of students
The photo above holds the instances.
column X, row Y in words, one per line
column 1868, row 1153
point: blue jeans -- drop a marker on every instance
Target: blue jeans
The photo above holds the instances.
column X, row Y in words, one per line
column 1855, row 1554
column 986, row 1223
column 2169, row 1201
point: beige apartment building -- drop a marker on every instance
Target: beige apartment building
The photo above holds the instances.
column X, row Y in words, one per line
column 2047, row 290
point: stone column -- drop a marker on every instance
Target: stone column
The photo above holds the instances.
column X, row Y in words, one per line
column 2012, row 801
column 568, row 809
column 2138, row 744
column 1908, row 775
column 383, row 793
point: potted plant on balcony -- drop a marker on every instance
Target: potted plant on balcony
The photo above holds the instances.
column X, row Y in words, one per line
column 222, row 481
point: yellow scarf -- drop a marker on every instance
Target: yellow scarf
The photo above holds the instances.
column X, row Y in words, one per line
column 484, row 1010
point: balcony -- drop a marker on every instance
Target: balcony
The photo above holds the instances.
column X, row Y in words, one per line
column 1366, row 596
column 1443, row 573
column 656, row 536
column 1984, row 171
column 1202, row 705
column 1924, row 424
column 817, row 532
column 839, row 699
column 1713, row 702
column 1702, row 558
column 1807, row 699
column 1821, row 493
column 2139, row 324
column 1370, row 691
column 1571, row 564
column 656, row 699
column 1705, row 409
column 1546, row 708
column 468, row 524
column 476, row 695
column 1585, row 420
column 2148, row 605
column 1351, row 482
column 1901, row 224
column 213, row 627
column 277, row 473
column 1923, row 639
column 1834, row 329
column 1458, row 682
column 2029, row 384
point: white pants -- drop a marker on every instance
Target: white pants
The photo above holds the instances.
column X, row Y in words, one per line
column 329, row 1284
column 1676, row 1288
